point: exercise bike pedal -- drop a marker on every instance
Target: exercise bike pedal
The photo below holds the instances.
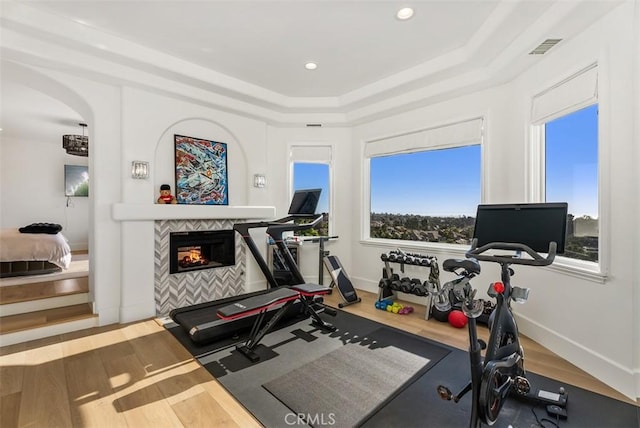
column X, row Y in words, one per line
column 522, row 385
column 445, row 393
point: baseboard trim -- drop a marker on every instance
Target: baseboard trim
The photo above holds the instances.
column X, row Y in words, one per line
column 620, row 378
column 137, row 312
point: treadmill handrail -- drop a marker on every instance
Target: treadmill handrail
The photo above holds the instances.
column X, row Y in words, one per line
column 276, row 226
column 275, row 230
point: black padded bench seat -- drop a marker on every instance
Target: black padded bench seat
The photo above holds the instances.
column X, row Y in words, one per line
column 277, row 296
column 257, row 304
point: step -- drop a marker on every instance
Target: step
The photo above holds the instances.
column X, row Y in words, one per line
column 46, row 318
column 48, row 331
column 43, row 304
column 10, row 294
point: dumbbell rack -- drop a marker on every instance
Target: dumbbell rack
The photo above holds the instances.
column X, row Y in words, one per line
column 390, row 284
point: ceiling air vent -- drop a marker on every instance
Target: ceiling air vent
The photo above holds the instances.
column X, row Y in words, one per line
column 544, row 47
column 314, row 125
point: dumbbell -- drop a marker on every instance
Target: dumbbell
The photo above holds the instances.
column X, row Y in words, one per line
column 406, row 285
column 382, row 304
column 395, row 283
column 409, row 259
column 384, row 257
column 384, row 283
column 421, row 289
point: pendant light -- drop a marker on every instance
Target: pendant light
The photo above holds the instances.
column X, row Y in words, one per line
column 77, row 145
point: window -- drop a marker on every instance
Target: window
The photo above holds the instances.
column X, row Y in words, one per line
column 430, row 188
column 565, row 163
column 311, row 169
column 571, row 175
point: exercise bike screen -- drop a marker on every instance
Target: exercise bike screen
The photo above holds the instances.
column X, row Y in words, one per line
column 534, row 225
column 304, row 202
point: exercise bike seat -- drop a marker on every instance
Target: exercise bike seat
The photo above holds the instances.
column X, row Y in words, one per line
column 470, row 265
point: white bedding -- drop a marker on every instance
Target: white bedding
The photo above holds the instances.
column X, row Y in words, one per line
column 16, row 246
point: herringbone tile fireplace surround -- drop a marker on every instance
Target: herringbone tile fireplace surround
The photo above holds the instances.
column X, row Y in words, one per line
column 188, row 288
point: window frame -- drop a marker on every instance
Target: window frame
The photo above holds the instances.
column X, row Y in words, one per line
column 365, row 232
column 593, row 271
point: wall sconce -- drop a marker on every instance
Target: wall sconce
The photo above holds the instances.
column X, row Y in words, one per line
column 259, row 180
column 140, row 170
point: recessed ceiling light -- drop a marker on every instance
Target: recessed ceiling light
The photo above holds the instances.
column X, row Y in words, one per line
column 404, row 13
column 311, row 66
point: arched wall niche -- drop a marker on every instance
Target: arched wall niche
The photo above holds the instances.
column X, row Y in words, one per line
column 206, row 129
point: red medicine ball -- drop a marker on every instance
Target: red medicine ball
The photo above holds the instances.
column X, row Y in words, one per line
column 457, row 319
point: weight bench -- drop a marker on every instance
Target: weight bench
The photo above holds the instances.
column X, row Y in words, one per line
column 341, row 281
column 283, row 297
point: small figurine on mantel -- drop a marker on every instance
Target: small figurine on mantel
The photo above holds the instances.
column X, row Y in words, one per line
column 165, row 195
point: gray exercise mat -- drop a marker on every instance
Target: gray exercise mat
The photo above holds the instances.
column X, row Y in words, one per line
column 346, row 385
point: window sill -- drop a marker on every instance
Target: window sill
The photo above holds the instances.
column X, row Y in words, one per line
column 576, row 268
column 430, row 247
column 579, row 269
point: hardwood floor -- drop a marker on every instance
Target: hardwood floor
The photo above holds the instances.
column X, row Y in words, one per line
column 138, row 375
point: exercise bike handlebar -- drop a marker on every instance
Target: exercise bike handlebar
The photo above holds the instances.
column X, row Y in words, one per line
column 536, row 258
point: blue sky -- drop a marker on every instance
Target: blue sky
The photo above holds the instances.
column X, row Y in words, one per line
column 313, row 176
column 436, row 182
column 572, row 161
column 447, row 182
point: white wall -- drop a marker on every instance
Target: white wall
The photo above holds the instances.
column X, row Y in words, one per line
column 32, row 181
column 591, row 324
column 32, row 169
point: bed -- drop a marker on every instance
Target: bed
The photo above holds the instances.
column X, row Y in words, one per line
column 32, row 253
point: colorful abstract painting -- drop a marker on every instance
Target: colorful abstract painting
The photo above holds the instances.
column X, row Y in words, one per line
column 201, row 171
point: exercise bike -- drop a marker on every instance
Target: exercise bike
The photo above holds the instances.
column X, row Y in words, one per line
column 501, row 373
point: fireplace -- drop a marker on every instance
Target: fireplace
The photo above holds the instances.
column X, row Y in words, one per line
column 196, row 250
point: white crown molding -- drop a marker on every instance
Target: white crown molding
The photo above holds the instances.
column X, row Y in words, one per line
column 37, row 38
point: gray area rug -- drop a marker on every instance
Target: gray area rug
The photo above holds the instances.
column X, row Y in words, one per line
column 415, row 404
column 299, row 344
column 344, row 386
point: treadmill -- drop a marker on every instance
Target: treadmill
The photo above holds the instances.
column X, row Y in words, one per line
column 201, row 321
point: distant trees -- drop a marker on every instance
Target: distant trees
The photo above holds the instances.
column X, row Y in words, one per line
column 413, row 227
column 459, row 230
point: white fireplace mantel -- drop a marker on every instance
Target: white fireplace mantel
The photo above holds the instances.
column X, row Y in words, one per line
column 146, row 212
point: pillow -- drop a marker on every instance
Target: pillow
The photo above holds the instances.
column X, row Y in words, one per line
column 50, row 228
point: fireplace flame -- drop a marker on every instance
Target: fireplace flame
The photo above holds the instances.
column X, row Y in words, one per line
column 193, row 258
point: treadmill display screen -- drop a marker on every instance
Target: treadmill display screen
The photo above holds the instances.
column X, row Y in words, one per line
column 534, row 225
column 304, row 202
